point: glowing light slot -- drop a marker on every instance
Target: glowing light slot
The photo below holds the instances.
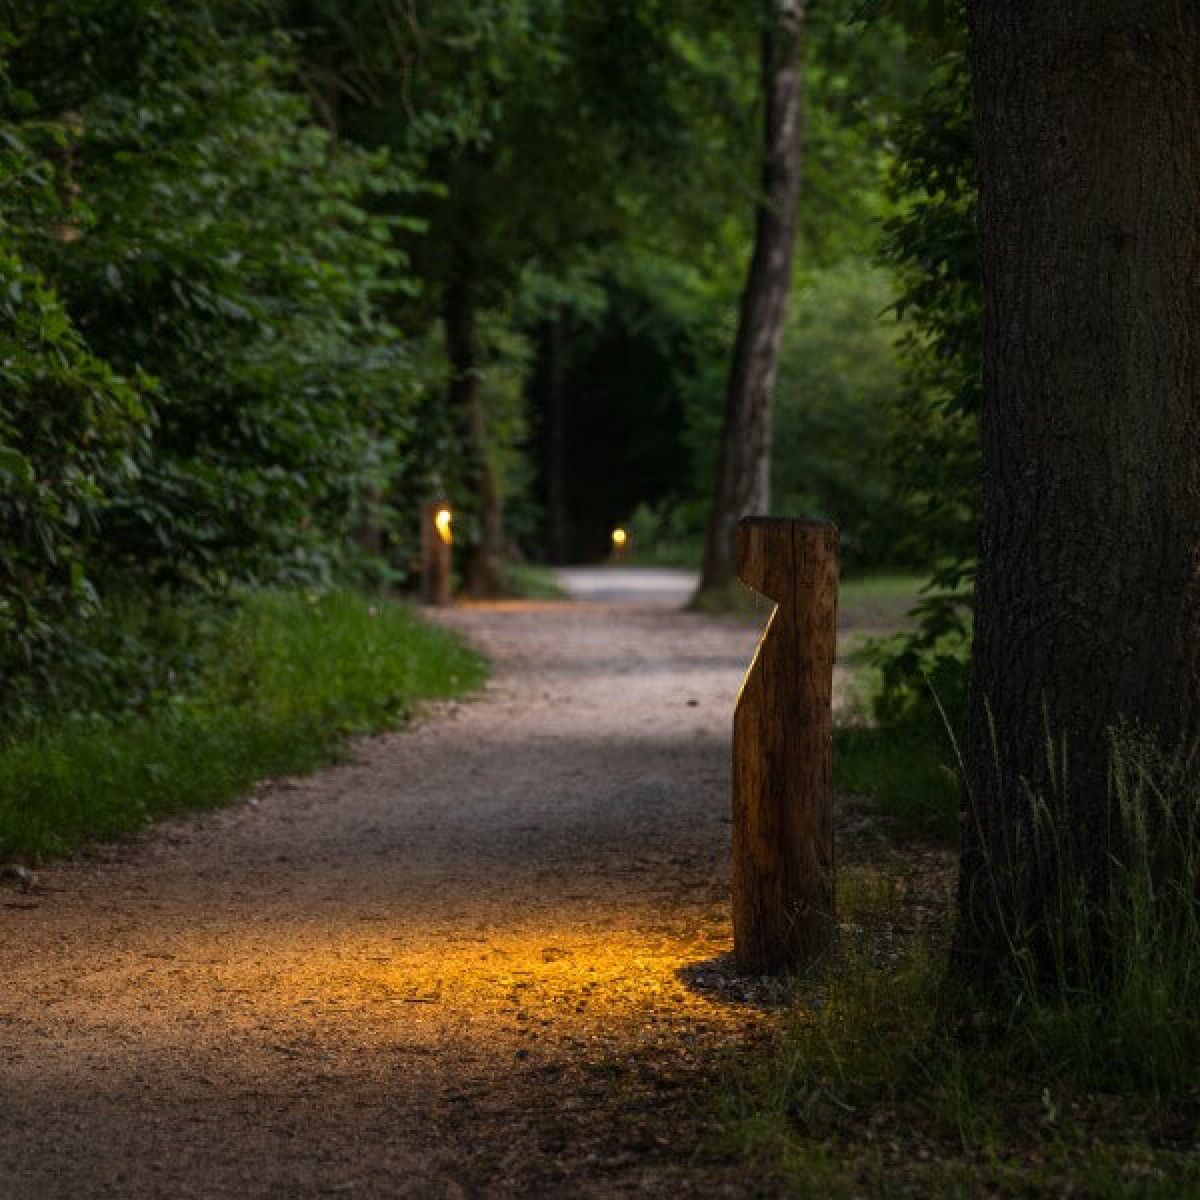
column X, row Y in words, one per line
column 442, row 520
column 619, row 537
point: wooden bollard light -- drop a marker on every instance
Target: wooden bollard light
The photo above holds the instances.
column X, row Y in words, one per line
column 620, row 545
column 783, row 909
column 437, row 537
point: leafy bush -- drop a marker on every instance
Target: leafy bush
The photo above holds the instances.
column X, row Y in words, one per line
column 201, row 385
column 835, row 409
column 667, row 534
column 228, row 253
column 72, row 431
column 930, row 244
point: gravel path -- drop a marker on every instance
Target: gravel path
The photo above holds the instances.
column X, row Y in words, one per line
column 463, row 964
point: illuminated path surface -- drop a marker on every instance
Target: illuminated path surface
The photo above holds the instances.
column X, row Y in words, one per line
column 449, row 968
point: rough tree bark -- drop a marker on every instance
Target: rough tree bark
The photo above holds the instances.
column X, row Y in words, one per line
column 483, row 536
column 743, row 469
column 1088, row 596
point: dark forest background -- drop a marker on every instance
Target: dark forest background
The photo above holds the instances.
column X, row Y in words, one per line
column 241, row 244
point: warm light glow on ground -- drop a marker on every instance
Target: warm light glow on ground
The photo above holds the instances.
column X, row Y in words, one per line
column 342, row 993
column 465, row 957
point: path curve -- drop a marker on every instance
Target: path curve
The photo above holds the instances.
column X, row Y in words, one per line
column 450, row 967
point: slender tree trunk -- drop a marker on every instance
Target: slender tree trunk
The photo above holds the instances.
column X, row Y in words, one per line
column 1088, row 596
column 483, row 546
column 743, row 469
column 556, row 453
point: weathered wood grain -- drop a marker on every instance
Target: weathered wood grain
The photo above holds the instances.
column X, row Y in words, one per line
column 783, row 861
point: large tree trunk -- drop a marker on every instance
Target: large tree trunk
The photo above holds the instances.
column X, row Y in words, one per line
column 482, row 563
column 743, row 469
column 1088, row 595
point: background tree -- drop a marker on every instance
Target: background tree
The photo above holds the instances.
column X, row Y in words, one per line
column 743, row 471
column 1087, row 616
column 546, row 131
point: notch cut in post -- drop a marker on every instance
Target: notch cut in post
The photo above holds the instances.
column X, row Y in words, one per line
column 783, row 864
column 436, row 540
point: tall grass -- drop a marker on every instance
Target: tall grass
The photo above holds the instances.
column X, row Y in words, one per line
column 283, row 682
column 888, row 1077
column 1102, row 972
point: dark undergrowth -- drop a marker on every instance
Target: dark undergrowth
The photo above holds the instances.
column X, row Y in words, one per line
column 907, row 771
column 275, row 688
column 885, row 1080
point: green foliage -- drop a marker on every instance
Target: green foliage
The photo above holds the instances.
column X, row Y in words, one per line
column 622, row 413
column 923, row 671
column 72, row 431
column 280, row 684
column 906, row 769
column 227, row 253
column 507, row 357
column 667, row 534
column 840, row 379
column 202, row 386
column 553, row 133
column 930, row 245
column 906, row 766
column 835, row 408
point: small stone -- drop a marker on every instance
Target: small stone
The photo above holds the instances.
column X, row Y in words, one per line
column 21, row 877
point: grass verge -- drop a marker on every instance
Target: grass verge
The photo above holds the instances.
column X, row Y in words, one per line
column 907, row 771
column 285, row 680
column 871, row 604
column 530, row 582
column 868, row 605
column 907, row 768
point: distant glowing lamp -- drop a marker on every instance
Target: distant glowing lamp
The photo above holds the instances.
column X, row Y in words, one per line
column 620, row 537
column 437, row 536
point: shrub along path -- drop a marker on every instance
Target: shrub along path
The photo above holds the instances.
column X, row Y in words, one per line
column 461, row 964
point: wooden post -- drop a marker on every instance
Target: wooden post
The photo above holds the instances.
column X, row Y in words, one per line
column 783, row 908
column 436, row 539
